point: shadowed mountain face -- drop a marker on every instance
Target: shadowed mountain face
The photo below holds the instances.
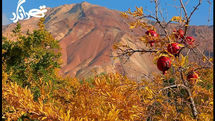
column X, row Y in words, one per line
column 87, row 32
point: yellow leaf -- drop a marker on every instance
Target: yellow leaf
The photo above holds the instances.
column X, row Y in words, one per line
column 180, row 45
column 129, row 11
column 182, row 60
column 139, row 11
column 134, row 106
column 132, row 26
column 158, row 51
column 176, row 18
column 3, row 51
column 123, row 14
column 183, row 20
column 143, row 39
column 186, row 25
column 204, row 59
column 115, row 46
column 44, row 118
column 163, row 54
column 114, row 58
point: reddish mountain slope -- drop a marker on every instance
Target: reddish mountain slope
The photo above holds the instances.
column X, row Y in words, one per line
column 87, row 32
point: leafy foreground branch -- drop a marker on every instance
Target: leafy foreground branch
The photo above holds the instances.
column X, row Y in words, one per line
column 168, row 47
column 105, row 97
column 192, row 105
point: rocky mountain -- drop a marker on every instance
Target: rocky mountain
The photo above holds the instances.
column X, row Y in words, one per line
column 87, row 33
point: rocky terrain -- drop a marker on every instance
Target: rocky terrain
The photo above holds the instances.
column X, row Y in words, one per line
column 87, row 33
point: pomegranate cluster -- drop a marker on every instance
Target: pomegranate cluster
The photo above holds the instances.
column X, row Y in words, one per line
column 189, row 40
column 154, row 35
column 164, row 63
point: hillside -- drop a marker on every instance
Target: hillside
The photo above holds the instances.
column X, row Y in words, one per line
column 87, row 33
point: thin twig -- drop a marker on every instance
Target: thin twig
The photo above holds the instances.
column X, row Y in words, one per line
column 188, row 52
column 156, row 8
column 182, row 76
column 204, row 56
column 195, row 8
column 147, row 16
column 186, row 15
column 187, row 2
column 209, row 10
column 157, row 19
column 184, row 9
column 131, row 51
column 201, row 68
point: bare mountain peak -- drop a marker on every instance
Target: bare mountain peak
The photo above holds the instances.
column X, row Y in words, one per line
column 85, row 3
column 76, row 8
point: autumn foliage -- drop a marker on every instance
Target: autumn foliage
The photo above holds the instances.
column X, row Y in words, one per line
column 32, row 89
column 106, row 97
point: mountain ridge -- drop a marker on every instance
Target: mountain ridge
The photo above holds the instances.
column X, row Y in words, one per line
column 86, row 34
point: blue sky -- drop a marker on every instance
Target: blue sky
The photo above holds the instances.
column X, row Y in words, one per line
column 200, row 18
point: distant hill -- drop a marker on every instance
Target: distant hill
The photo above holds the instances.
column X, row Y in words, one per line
column 87, row 32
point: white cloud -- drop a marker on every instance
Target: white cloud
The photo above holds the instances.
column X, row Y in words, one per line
column 5, row 20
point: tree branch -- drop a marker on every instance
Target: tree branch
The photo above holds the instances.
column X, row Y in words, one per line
column 201, row 54
column 201, row 68
column 131, row 51
column 195, row 8
column 182, row 77
column 192, row 103
column 184, row 9
column 186, row 15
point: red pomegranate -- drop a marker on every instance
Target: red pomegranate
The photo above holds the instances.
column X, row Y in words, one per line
column 151, row 42
column 153, row 34
column 192, row 77
column 173, row 48
column 180, row 32
column 163, row 64
column 189, row 40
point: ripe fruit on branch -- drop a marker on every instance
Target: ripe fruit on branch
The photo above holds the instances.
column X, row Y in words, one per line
column 153, row 34
column 189, row 40
column 179, row 34
column 173, row 48
column 151, row 42
column 163, row 64
column 192, row 77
